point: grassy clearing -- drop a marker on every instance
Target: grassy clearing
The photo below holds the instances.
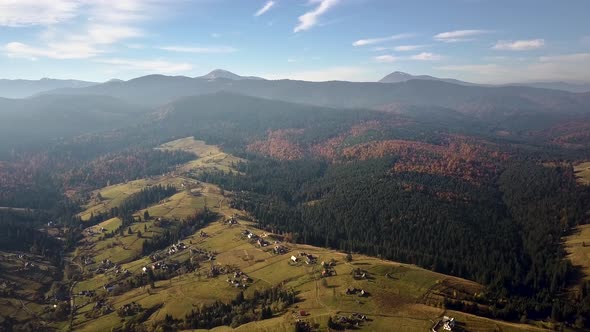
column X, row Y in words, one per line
column 210, row 157
column 113, row 196
column 582, row 172
column 578, row 248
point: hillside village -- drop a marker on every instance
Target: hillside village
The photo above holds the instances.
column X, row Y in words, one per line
column 118, row 285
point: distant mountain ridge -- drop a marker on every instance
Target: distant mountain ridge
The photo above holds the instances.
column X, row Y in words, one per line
column 156, row 90
column 399, row 77
column 225, row 74
column 27, row 88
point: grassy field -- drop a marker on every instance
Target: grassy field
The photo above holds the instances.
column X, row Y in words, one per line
column 578, row 248
column 400, row 295
column 209, row 156
column 583, row 173
column 25, row 303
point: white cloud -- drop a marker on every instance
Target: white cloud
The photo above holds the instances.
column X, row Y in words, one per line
column 426, row 56
column 481, row 69
column 98, row 24
column 519, row 45
column 458, row 35
column 199, row 50
column 407, row 48
column 386, row 58
column 341, row 73
column 147, row 66
column 371, row 41
column 19, row 13
column 310, row 19
column 567, row 58
column 109, row 34
column 267, row 6
column 53, row 50
column 565, row 67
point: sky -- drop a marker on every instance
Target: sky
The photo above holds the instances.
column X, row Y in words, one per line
column 482, row 41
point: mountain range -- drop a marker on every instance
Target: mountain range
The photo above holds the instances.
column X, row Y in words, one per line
column 218, row 80
column 399, row 77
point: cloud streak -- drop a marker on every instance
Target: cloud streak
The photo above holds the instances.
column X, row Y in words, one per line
column 267, row 6
column 386, row 58
column 24, row 13
column 519, row 45
column 59, row 51
column 311, row 18
column 147, row 66
column 564, row 67
column 372, row 41
column 458, row 35
column 424, row 56
column 199, row 50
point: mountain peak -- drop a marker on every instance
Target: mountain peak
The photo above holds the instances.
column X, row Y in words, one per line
column 225, row 74
column 400, row 77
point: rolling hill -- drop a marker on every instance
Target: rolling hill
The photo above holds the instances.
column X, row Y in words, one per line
column 44, row 118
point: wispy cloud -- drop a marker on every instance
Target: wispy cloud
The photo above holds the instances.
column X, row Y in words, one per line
column 408, row 48
column 267, row 6
column 60, row 51
column 311, row 18
column 479, row 69
column 104, row 23
column 199, row 50
column 386, row 58
column 458, row 35
column 519, row 45
column 424, row 56
column 147, row 66
column 36, row 12
column 372, row 41
column 564, row 67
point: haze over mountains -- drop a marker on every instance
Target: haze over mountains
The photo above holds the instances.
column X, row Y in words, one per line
column 83, row 107
column 398, row 77
column 27, row 88
column 220, row 79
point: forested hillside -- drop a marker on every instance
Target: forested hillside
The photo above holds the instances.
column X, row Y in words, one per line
column 432, row 186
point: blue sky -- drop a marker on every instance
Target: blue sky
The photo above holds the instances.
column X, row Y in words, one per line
column 487, row 41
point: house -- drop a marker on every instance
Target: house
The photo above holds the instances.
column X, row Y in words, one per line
column 279, row 250
column 448, row 323
column 294, row 259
